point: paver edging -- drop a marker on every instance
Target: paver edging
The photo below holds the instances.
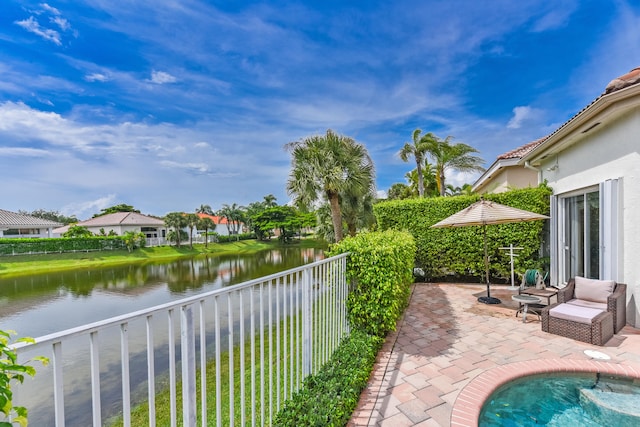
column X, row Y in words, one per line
column 468, row 404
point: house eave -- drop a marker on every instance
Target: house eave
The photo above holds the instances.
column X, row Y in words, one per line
column 493, row 170
column 604, row 108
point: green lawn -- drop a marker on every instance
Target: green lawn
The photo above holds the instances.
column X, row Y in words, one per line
column 29, row 264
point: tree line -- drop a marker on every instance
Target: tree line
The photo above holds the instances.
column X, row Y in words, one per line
column 332, row 185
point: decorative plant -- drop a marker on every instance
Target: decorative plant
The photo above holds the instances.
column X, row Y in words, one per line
column 11, row 370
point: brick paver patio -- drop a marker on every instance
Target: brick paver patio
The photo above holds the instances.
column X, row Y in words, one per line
column 446, row 340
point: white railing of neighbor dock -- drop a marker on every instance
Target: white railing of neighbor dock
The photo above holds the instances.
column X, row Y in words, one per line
column 259, row 339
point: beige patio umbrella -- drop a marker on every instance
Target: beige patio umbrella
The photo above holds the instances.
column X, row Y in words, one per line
column 485, row 212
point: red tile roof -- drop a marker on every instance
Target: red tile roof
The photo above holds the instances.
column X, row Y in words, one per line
column 622, row 82
column 216, row 219
column 522, row 150
column 629, row 79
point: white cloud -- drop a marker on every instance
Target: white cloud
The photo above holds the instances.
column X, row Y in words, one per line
column 34, row 27
column 160, row 77
column 96, row 77
column 50, row 9
column 556, row 17
column 87, row 208
column 23, row 152
column 61, row 22
column 522, row 114
column 196, row 167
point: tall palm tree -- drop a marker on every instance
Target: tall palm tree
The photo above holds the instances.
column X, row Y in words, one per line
column 205, row 209
column 192, row 222
column 446, row 156
column 177, row 221
column 206, row 224
column 234, row 216
column 428, row 179
column 357, row 211
column 328, row 165
column 417, row 149
column 270, row 201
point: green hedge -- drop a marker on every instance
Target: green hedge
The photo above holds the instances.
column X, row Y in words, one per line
column 380, row 270
column 329, row 397
column 62, row 244
column 460, row 251
column 221, row 238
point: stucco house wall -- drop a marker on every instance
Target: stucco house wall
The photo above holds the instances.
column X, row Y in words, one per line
column 599, row 150
column 608, row 153
column 506, row 173
column 121, row 222
column 510, row 178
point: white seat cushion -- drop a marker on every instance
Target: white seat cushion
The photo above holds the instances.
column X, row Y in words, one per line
column 588, row 304
column 593, row 289
column 574, row 313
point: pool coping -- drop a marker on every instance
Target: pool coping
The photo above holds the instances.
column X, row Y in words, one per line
column 468, row 404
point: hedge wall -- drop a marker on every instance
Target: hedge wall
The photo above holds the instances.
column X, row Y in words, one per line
column 443, row 252
column 62, row 244
column 379, row 268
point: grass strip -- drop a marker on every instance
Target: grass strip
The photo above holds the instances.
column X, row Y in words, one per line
column 31, row 264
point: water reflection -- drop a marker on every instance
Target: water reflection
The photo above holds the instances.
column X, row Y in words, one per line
column 45, row 303
column 42, row 304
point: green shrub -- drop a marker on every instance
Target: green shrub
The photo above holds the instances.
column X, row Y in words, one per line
column 220, row 238
column 460, row 251
column 379, row 268
column 12, row 371
column 329, row 397
column 60, row 244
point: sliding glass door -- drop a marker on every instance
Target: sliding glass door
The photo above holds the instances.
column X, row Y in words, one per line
column 581, row 236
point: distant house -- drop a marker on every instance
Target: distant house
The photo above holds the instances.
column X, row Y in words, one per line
column 507, row 172
column 121, row 222
column 15, row 225
column 592, row 163
column 221, row 224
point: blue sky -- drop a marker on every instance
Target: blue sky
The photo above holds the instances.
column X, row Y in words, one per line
column 167, row 105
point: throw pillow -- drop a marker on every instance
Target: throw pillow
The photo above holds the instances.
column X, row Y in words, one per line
column 593, row 289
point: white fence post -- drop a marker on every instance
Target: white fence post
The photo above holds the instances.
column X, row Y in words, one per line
column 307, row 322
column 188, row 350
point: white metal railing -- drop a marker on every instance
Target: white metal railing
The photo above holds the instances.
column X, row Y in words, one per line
column 258, row 339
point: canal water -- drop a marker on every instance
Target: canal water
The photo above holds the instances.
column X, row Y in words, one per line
column 41, row 304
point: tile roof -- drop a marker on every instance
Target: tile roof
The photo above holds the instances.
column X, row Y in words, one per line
column 629, row 79
column 615, row 85
column 522, row 150
column 16, row 220
column 216, row 219
column 121, row 218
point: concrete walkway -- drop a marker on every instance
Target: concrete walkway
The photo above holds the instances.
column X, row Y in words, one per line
column 446, row 339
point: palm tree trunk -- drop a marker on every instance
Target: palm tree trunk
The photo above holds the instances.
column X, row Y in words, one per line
column 420, row 177
column 336, row 215
column 442, row 187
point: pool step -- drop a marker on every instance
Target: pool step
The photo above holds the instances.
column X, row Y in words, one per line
column 611, row 408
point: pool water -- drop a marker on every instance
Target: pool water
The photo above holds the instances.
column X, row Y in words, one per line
column 569, row 400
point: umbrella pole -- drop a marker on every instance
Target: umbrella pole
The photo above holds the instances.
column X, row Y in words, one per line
column 488, row 299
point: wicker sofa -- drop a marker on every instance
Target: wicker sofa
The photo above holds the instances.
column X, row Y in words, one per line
column 588, row 310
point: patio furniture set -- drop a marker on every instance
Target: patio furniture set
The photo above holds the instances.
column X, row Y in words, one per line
column 586, row 310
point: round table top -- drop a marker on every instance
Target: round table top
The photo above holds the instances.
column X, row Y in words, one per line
column 525, row 298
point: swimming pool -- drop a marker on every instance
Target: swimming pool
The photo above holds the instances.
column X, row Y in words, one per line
column 584, row 399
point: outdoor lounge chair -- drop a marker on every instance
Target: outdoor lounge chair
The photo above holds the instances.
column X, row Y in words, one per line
column 588, row 310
